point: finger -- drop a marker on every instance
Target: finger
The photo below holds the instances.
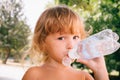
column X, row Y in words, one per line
column 83, row 61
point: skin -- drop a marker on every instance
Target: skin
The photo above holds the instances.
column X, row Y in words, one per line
column 57, row 47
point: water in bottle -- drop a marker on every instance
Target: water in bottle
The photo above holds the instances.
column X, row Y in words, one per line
column 99, row 44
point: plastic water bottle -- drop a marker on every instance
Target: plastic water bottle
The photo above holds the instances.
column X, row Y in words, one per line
column 99, row 44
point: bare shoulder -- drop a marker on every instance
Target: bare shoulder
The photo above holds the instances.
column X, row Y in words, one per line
column 32, row 73
column 85, row 75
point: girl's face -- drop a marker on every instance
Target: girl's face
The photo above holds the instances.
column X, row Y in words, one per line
column 58, row 45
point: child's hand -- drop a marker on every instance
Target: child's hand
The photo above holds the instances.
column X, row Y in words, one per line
column 97, row 65
column 93, row 64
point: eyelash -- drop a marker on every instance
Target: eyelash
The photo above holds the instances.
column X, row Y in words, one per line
column 60, row 38
column 74, row 37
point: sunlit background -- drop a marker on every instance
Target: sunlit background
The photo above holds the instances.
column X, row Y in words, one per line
column 33, row 9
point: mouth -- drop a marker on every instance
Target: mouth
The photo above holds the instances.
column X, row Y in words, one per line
column 67, row 61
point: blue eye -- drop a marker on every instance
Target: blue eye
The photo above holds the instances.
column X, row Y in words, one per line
column 75, row 37
column 61, row 38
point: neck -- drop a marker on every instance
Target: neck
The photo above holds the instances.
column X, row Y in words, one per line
column 54, row 64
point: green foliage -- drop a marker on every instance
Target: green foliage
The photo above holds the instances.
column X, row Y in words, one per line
column 14, row 31
column 109, row 18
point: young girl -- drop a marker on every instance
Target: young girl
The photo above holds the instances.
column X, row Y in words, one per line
column 57, row 31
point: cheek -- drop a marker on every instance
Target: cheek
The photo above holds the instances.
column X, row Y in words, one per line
column 56, row 48
column 56, row 51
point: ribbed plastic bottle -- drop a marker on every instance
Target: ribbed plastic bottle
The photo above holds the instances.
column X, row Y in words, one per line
column 100, row 44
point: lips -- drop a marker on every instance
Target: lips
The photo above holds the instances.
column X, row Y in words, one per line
column 73, row 53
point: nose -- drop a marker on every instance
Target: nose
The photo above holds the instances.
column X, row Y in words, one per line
column 70, row 44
